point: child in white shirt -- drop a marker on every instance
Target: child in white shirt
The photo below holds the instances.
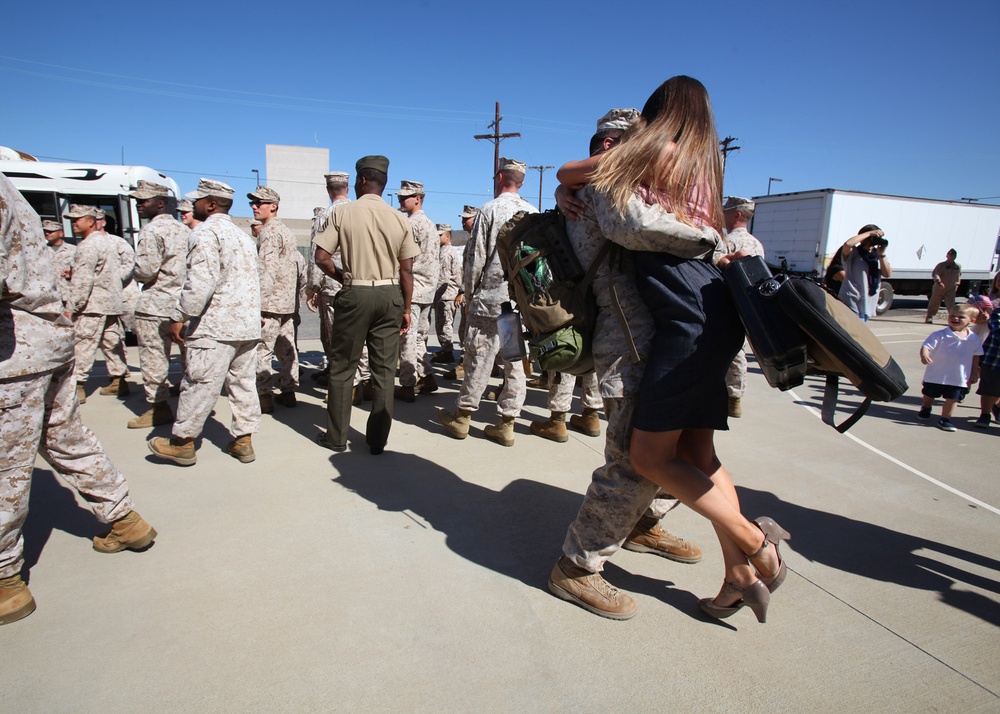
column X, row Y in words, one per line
column 952, row 359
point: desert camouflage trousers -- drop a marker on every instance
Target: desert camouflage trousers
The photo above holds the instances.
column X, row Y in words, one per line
column 481, row 347
column 736, row 375
column 106, row 332
column 562, row 386
column 324, row 307
column 277, row 340
column 444, row 323
column 210, row 365
column 153, row 334
column 40, row 415
column 414, row 362
column 616, row 498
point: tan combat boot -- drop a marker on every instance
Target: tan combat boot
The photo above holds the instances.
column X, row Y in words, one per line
column 81, row 393
column 16, row 602
column 118, row 386
column 405, row 394
column 502, row 432
column 266, row 403
column 180, row 451
column 457, row 423
column 426, row 385
column 242, row 449
column 735, row 408
column 159, row 413
column 287, row 399
column 553, row 429
column 587, row 423
column 131, row 532
column 649, row 536
column 590, row 591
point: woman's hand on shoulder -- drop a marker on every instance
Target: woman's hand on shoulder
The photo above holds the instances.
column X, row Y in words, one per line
column 568, row 203
column 728, row 258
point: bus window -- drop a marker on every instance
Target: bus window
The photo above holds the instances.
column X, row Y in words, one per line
column 44, row 202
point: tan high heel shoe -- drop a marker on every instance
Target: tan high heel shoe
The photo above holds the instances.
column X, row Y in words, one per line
column 756, row 597
column 773, row 534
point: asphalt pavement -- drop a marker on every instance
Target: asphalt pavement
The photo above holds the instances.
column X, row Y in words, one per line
column 416, row 580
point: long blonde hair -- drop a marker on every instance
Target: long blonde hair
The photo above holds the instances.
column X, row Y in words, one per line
column 670, row 153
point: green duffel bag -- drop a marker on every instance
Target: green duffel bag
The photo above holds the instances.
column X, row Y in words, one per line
column 564, row 350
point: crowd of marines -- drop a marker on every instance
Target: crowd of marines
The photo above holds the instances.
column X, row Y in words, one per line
column 230, row 301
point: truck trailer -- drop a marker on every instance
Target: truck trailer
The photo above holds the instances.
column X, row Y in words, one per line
column 801, row 233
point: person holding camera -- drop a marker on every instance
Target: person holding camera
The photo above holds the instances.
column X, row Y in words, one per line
column 865, row 265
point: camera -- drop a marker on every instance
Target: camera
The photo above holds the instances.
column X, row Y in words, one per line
column 876, row 242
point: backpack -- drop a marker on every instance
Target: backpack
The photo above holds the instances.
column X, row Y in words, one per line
column 551, row 290
column 798, row 325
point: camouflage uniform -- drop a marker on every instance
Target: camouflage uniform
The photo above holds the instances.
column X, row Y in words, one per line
column 444, row 299
column 40, row 413
column 63, row 259
column 618, row 496
column 413, row 361
column 160, row 265
column 562, row 386
column 278, row 280
column 221, row 298
column 736, row 376
column 96, row 300
column 482, row 341
column 130, row 291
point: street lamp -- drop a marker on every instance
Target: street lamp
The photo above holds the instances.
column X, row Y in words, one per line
column 769, row 184
column 257, row 174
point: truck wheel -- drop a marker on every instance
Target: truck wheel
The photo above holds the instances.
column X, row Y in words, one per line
column 885, row 294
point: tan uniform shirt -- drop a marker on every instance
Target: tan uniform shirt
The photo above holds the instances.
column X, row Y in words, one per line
column 160, row 265
column 35, row 335
column 276, row 266
column 97, row 276
column 426, row 266
column 372, row 238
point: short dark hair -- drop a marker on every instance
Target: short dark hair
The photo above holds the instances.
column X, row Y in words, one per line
column 374, row 176
column 598, row 139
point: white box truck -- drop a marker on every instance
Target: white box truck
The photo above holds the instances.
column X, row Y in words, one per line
column 50, row 188
column 801, row 232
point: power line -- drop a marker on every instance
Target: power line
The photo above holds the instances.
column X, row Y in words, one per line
column 541, row 172
column 496, row 137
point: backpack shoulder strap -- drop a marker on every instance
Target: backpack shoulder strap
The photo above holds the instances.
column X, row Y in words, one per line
column 830, row 393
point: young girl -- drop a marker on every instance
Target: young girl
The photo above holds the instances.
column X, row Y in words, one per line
column 669, row 160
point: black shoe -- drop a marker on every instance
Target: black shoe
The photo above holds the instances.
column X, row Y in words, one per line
column 321, row 376
column 322, row 441
column 376, row 450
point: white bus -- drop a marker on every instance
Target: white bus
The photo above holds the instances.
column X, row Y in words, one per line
column 50, row 188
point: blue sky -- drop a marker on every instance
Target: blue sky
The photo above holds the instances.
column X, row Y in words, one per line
column 886, row 97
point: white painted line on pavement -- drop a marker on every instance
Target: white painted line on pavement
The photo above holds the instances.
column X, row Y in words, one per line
column 899, row 342
column 899, row 463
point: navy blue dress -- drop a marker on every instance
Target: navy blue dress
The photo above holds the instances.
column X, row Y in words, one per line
column 698, row 333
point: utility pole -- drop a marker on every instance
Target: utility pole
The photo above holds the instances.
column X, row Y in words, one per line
column 496, row 137
column 726, row 148
column 541, row 172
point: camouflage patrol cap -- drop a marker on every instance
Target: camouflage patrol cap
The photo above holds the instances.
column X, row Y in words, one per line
column 101, row 213
column 617, row 119
column 443, row 228
column 49, row 226
column 318, row 211
column 148, row 189
column 512, row 165
column 208, row 187
column 410, row 188
column 335, row 178
column 375, row 161
column 468, row 212
column 184, row 206
column 738, row 203
column 78, row 211
column 265, row 194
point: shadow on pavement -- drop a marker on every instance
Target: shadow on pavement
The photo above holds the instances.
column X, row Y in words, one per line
column 52, row 506
column 878, row 553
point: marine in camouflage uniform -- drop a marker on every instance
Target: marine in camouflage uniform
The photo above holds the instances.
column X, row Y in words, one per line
column 415, row 374
column 486, row 290
column 276, row 266
column 41, row 415
column 560, row 401
column 738, row 212
column 160, row 265
column 620, row 507
column 63, row 257
column 220, row 302
column 96, row 299
column 444, row 298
